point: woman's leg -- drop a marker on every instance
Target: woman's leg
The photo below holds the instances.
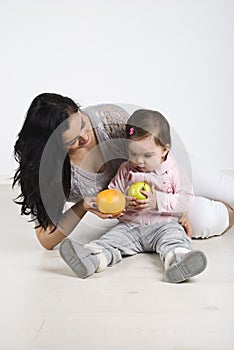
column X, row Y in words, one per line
column 214, row 214
column 211, row 183
column 208, row 218
column 230, row 215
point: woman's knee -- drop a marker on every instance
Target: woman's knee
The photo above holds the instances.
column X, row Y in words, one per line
column 230, row 216
column 208, row 218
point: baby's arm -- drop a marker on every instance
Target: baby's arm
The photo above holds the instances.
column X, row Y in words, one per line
column 179, row 198
column 121, row 179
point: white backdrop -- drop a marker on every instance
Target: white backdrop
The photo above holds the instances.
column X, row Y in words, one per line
column 173, row 56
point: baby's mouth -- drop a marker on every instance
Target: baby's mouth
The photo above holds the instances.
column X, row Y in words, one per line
column 140, row 168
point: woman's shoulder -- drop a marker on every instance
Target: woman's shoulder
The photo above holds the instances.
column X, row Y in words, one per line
column 107, row 113
column 108, row 119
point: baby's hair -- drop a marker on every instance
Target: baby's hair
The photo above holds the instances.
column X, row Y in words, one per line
column 144, row 123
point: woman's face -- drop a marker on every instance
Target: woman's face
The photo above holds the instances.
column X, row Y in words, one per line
column 79, row 134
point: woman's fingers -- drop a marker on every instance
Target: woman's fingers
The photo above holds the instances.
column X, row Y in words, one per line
column 101, row 215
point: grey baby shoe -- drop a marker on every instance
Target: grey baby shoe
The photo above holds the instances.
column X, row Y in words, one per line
column 185, row 266
column 82, row 261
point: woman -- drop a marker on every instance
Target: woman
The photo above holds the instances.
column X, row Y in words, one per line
column 68, row 153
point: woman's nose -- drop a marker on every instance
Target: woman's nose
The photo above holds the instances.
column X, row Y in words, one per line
column 75, row 145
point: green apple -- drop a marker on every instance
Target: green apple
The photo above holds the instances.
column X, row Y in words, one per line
column 136, row 188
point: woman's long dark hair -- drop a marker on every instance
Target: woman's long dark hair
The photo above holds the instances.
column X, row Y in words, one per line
column 46, row 113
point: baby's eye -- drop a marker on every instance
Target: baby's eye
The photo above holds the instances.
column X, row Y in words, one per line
column 148, row 155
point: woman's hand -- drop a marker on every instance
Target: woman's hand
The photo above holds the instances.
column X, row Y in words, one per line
column 149, row 203
column 90, row 204
column 184, row 221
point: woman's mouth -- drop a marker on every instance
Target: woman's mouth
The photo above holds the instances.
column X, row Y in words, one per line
column 83, row 142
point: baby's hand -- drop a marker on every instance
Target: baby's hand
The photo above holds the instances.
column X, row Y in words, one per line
column 130, row 203
column 149, row 203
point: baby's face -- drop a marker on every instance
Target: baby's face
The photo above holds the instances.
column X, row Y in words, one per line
column 145, row 155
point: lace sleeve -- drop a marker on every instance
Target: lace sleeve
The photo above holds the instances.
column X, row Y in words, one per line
column 114, row 120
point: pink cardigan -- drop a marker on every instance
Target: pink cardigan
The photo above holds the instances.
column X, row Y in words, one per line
column 171, row 184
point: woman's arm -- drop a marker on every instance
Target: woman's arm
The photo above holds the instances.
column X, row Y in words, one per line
column 49, row 240
column 184, row 221
column 68, row 222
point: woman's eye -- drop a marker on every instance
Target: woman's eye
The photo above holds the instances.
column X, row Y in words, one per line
column 82, row 124
column 72, row 143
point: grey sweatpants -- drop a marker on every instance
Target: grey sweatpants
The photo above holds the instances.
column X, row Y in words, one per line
column 127, row 239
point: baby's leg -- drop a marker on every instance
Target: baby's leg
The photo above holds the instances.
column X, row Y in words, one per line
column 170, row 236
column 85, row 260
column 174, row 248
column 122, row 240
column 184, row 265
column 81, row 260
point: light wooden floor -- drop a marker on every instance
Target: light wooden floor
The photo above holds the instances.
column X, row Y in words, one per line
column 129, row 306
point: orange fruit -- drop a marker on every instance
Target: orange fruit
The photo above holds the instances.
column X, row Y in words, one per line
column 111, row 201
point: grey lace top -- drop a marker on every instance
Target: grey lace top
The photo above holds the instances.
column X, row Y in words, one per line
column 108, row 121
